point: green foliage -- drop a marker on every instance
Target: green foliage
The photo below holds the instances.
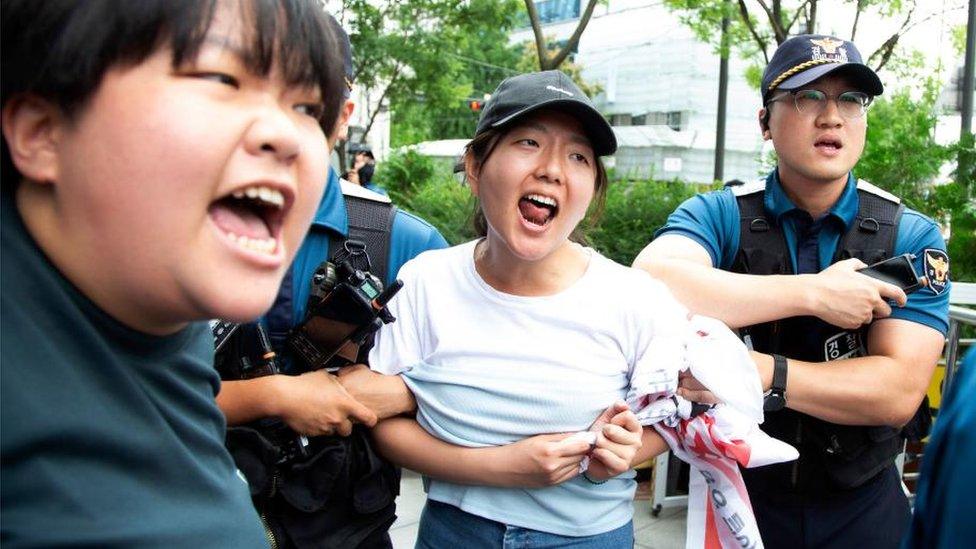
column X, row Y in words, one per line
column 529, row 62
column 485, row 58
column 403, row 174
column 962, row 246
column 704, row 18
column 425, row 58
column 753, row 75
column 962, row 241
column 959, row 39
column 634, row 211
column 756, row 28
column 419, row 185
column 901, row 154
column 448, row 205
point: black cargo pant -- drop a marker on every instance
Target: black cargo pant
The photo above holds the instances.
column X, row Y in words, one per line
column 873, row 515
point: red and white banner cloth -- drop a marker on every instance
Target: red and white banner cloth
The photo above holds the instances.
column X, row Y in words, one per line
column 716, row 442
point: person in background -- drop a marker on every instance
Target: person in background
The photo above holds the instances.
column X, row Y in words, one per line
column 363, row 168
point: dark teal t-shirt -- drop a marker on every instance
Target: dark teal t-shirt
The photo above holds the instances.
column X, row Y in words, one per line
column 109, row 437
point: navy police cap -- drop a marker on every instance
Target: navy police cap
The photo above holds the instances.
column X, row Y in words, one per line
column 342, row 37
column 807, row 57
column 520, row 95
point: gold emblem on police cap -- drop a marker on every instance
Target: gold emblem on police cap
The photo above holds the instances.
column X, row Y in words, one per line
column 829, row 45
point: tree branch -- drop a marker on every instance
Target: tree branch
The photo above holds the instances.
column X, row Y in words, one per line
column 778, row 15
column 888, row 48
column 540, row 41
column 774, row 22
column 812, row 18
column 769, row 14
column 857, row 17
column 575, row 37
column 379, row 104
column 744, row 14
column 796, row 16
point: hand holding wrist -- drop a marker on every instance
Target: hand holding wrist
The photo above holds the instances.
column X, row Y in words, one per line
column 274, row 394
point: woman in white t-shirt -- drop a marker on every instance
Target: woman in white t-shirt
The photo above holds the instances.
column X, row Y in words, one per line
column 522, row 332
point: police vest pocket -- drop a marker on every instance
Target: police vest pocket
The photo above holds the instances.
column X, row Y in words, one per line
column 376, row 485
column 309, row 484
column 254, row 456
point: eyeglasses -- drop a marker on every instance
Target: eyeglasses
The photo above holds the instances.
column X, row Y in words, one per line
column 850, row 104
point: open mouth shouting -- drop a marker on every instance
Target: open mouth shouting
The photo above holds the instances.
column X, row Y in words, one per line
column 538, row 210
column 251, row 217
column 828, row 145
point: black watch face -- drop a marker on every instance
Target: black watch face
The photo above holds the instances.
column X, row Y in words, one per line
column 774, row 402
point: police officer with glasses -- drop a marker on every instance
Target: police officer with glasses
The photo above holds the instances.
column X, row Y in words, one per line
column 845, row 358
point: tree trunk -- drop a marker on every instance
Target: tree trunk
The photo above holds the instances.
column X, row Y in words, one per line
column 857, row 17
column 379, row 104
column 747, row 21
column 540, row 41
column 545, row 63
column 812, row 20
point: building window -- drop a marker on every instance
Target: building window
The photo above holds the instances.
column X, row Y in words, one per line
column 553, row 11
column 621, row 120
column 672, row 119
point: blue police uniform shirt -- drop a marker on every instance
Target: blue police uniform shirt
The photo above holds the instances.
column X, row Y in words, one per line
column 943, row 506
column 376, row 188
column 409, row 237
column 712, row 220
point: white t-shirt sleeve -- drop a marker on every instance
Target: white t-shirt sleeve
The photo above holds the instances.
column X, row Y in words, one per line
column 397, row 346
column 662, row 324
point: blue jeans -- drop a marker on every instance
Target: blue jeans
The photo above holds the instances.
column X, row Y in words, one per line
column 445, row 526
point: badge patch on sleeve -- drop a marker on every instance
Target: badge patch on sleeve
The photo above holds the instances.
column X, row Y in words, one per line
column 843, row 345
column 936, row 270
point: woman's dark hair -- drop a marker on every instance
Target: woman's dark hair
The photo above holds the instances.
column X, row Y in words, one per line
column 61, row 49
column 480, row 148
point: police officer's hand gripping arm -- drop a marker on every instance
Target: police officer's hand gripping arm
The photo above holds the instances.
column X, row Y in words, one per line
column 314, row 403
column 838, row 295
column 883, row 388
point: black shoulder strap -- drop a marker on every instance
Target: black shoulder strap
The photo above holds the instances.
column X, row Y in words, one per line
column 871, row 237
column 762, row 245
column 370, row 223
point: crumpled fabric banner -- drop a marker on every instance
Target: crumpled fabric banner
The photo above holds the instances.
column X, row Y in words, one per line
column 716, row 441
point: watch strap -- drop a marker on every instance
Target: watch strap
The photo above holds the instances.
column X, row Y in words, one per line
column 779, row 374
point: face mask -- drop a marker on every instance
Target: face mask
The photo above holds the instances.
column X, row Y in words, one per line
column 366, row 174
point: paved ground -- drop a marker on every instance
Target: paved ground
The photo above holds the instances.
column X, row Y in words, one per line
column 666, row 531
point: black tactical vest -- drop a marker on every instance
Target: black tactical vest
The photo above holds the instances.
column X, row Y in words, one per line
column 342, row 494
column 832, row 457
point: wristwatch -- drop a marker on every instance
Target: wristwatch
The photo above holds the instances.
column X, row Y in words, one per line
column 775, row 398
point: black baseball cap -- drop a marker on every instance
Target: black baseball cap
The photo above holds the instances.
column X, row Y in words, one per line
column 356, row 148
column 520, row 95
column 802, row 59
